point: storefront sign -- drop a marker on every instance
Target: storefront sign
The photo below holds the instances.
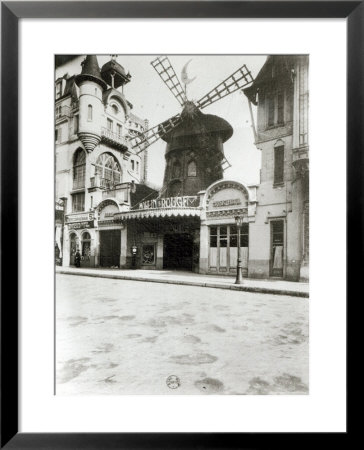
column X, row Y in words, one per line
column 229, row 202
column 81, row 225
column 171, row 202
column 82, row 217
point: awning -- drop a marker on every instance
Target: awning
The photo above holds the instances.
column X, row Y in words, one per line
column 157, row 212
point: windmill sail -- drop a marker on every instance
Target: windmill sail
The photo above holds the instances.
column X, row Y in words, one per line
column 238, row 80
column 164, row 68
column 140, row 143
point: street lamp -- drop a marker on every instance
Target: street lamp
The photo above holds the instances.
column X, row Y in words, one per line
column 239, row 278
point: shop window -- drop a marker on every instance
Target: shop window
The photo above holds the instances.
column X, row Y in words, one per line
column 223, row 237
column 108, row 169
column 191, row 169
column 244, row 235
column 213, row 237
column 148, row 254
column 78, row 202
column 86, row 246
column 277, row 239
column 79, row 169
column 89, row 113
column 278, row 164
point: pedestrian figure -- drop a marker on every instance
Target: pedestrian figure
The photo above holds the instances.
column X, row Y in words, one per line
column 78, row 258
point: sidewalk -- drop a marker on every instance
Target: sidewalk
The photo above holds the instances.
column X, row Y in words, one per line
column 278, row 287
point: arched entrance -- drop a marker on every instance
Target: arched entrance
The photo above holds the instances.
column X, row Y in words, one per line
column 86, row 249
column 73, row 248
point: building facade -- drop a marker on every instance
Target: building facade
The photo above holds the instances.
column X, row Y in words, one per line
column 280, row 92
column 96, row 170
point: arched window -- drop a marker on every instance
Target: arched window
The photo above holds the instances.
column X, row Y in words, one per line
column 108, row 169
column 117, row 109
column 191, row 169
column 79, row 169
column 176, row 170
column 86, row 246
column 89, row 112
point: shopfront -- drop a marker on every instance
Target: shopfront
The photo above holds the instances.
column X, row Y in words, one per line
column 223, row 248
column 80, row 235
column 109, row 235
column 165, row 233
column 222, row 203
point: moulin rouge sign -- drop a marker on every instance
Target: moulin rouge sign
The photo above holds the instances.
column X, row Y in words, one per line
column 171, row 202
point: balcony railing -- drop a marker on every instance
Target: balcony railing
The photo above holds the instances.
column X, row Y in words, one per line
column 101, row 183
column 114, row 138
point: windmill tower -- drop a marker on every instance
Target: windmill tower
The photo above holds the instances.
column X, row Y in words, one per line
column 194, row 151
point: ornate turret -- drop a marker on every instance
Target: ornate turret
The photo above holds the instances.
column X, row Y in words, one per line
column 194, row 152
column 91, row 108
column 90, row 72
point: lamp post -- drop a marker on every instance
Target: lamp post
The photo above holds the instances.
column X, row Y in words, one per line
column 239, row 278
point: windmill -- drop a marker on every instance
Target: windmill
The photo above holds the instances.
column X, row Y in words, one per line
column 194, row 139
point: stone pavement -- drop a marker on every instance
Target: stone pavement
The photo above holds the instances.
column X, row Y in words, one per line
column 278, row 287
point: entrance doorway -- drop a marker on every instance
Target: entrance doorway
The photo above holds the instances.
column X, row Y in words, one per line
column 110, row 242
column 277, row 246
column 177, row 251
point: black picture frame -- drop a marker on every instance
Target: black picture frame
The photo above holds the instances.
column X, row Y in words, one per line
column 11, row 12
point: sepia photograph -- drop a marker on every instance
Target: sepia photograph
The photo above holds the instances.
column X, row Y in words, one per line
column 181, row 245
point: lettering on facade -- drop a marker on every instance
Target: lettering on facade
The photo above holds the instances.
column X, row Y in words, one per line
column 171, row 202
column 84, row 217
column 226, row 212
column 81, row 225
column 229, row 202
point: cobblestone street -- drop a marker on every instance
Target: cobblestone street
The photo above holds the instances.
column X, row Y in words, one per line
column 128, row 337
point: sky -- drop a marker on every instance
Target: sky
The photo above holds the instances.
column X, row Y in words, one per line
column 152, row 100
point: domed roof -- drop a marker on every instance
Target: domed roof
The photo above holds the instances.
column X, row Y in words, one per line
column 199, row 123
column 91, row 71
column 112, row 69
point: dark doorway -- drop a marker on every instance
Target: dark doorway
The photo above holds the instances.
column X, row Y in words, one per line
column 177, row 251
column 110, row 248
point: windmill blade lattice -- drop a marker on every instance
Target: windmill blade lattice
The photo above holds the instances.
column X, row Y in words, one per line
column 153, row 134
column 238, row 80
column 163, row 67
column 225, row 164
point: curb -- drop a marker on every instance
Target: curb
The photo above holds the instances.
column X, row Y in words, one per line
column 232, row 287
